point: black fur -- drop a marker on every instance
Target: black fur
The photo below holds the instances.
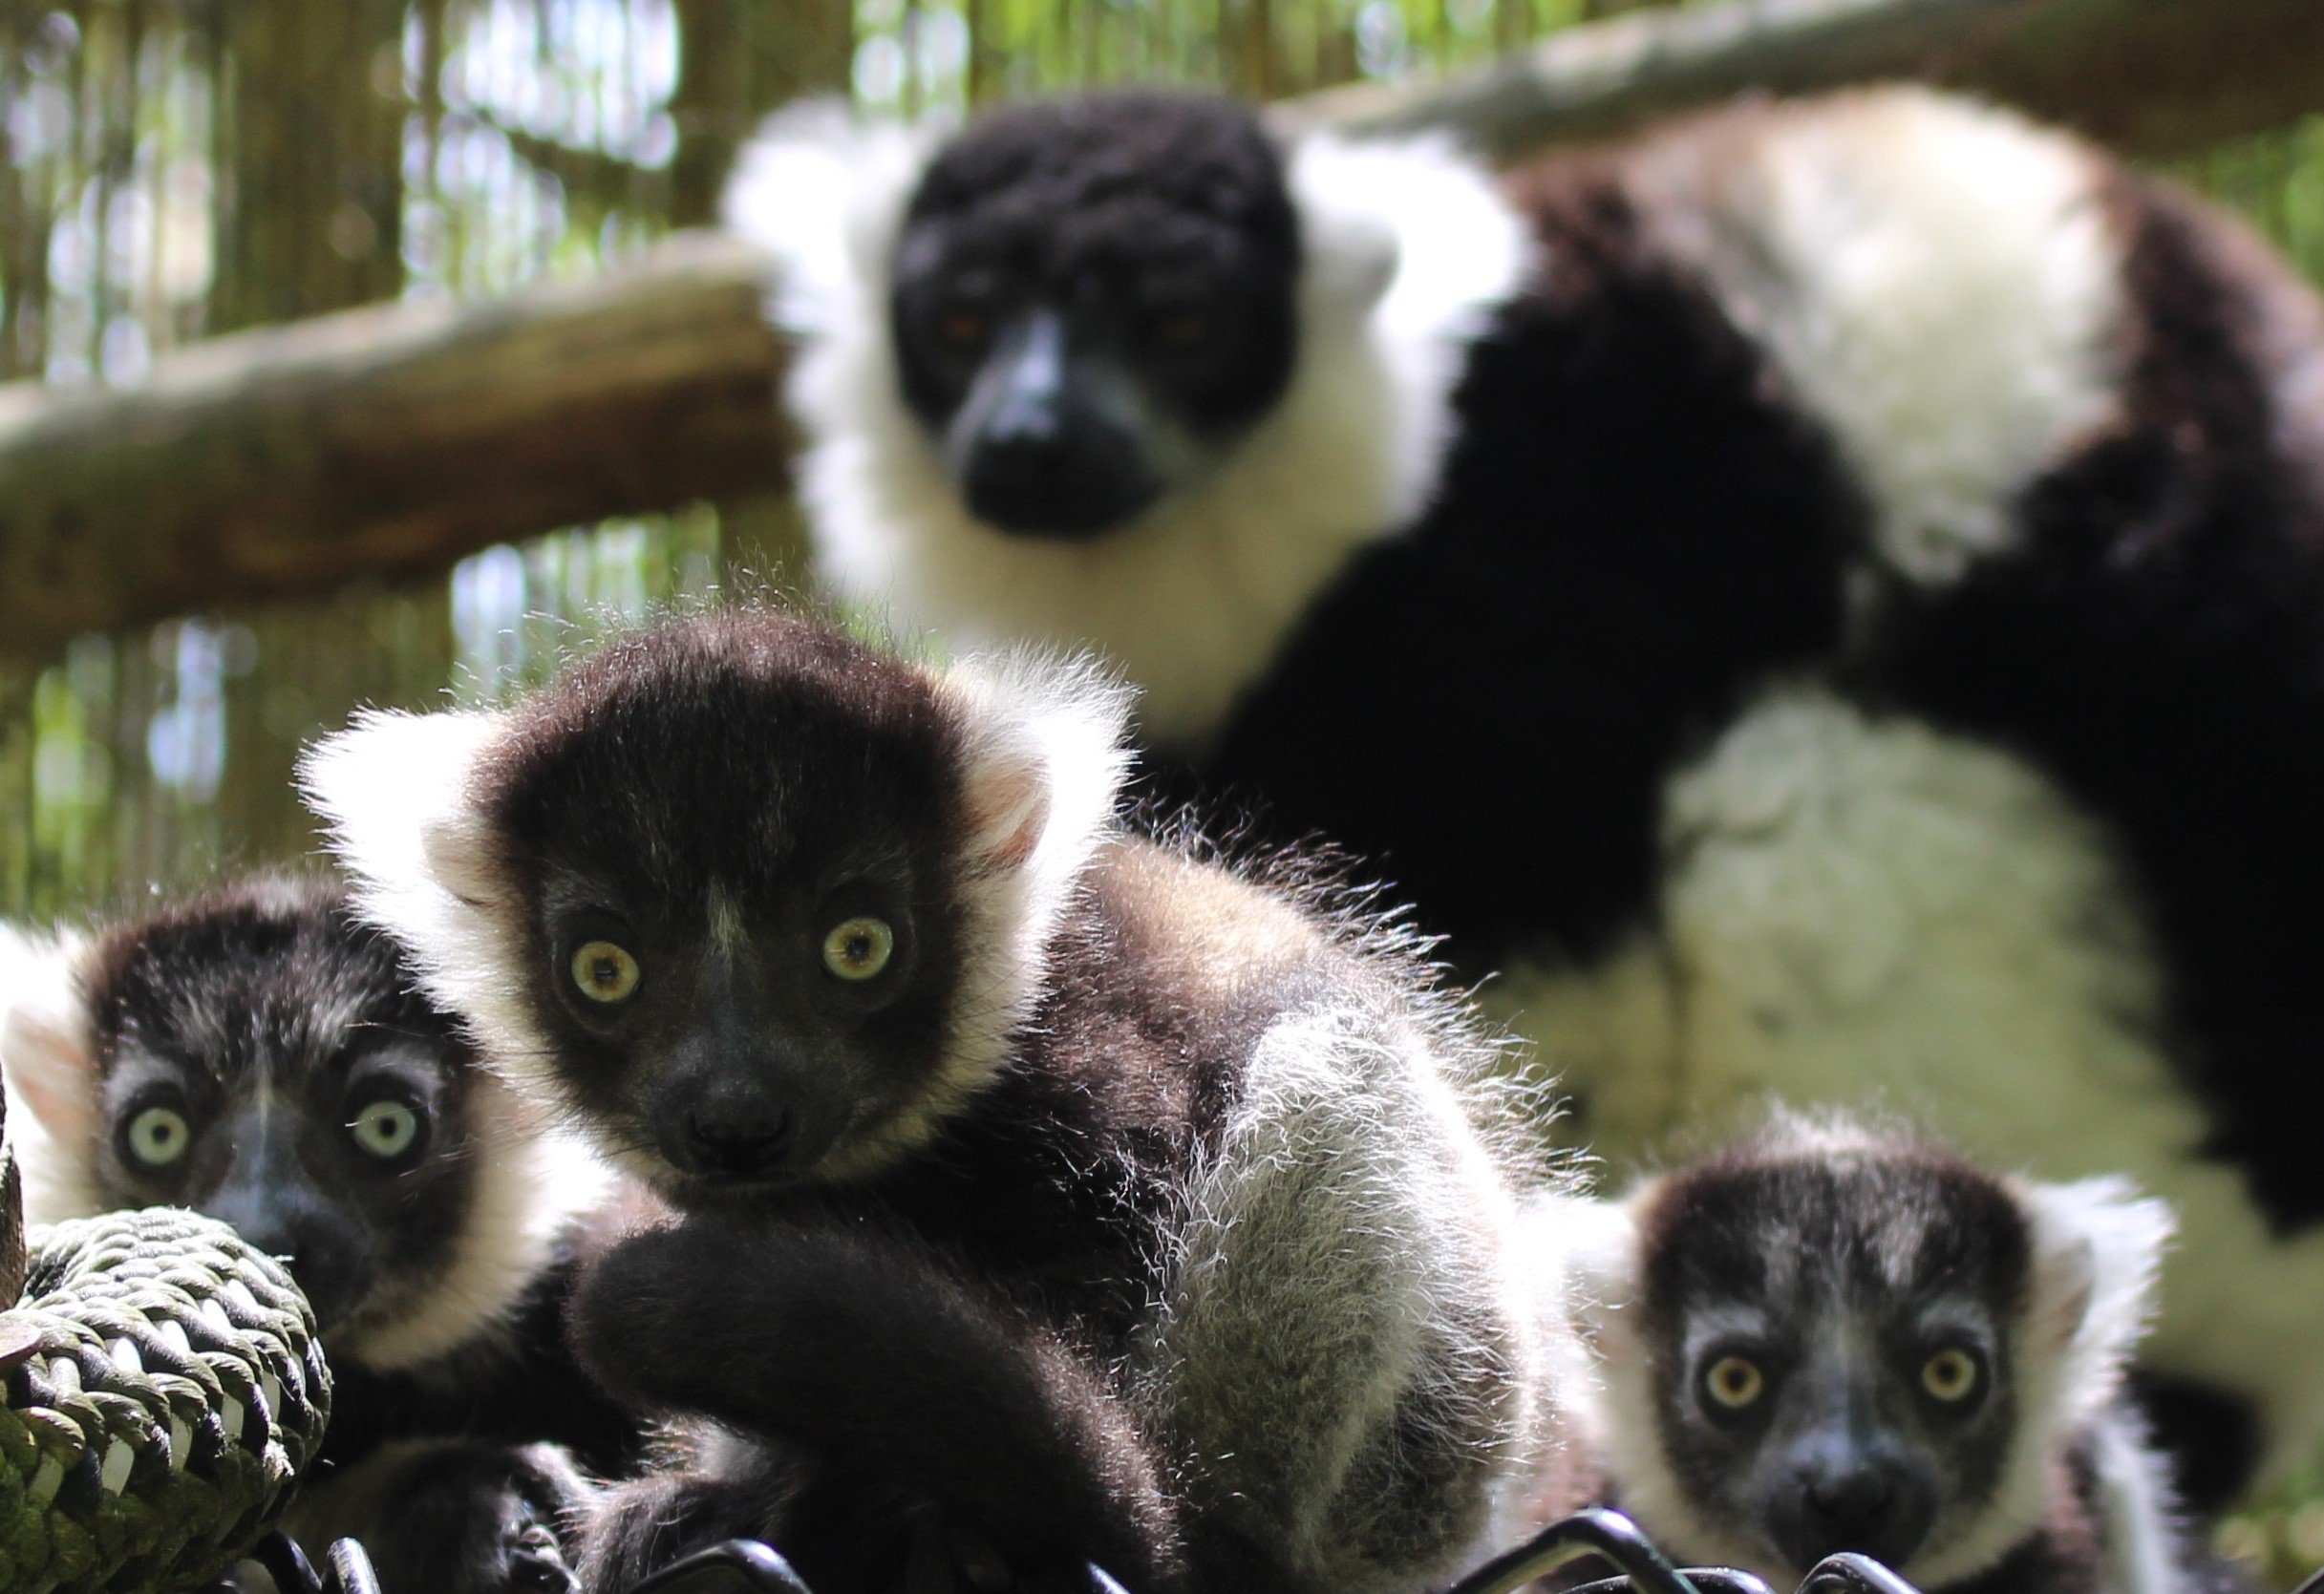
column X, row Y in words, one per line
column 1630, row 534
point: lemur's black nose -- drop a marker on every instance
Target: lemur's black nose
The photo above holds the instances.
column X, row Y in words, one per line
column 735, row 1145
column 1852, row 1502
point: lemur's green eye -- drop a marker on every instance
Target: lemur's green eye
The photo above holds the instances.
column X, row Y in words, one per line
column 860, row 947
column 385, row 1128
column 158, row 1136
column 1734, row 1382
column 605, row 972
column 1949, row 1376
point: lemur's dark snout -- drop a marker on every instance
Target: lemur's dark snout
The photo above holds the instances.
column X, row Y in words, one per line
column 1871, row 1506
column 739, row 1145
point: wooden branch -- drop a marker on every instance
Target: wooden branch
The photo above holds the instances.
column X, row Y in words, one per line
column 384, row 443
column 2146, row 76
column 389, row 442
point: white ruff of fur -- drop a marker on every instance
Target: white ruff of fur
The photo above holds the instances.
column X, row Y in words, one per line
column 1939, row 283
column 1408, row 249
column 1046, row 734
column 2140, row 1525
column 530, row 1182
column 393, row 789
column 1871, row 913
column 49, row 1074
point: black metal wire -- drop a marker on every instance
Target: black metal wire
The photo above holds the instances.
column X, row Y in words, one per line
column 1607, row 1535
column 347, row 1569
column 1850, row 1573
column 1707, row 1579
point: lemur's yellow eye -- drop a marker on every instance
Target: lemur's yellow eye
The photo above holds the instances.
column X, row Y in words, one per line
column 1949, row 1376
column 858, row 949
column 1734, row 1382
column 158, row 1136
column 605, row 972
column 385, row 1129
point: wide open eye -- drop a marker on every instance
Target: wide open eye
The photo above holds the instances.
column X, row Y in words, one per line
column 158, row 1136
column 605, row 972
column 1949, row 1376
column 386, row 1129
column 1734, row 1382
column 858, row 949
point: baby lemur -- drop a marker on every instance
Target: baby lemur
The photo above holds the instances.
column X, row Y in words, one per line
column 1834, row 1337
column 257, row 1054
column 1048, row 1188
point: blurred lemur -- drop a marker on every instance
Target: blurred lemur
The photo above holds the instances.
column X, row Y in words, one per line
column 1049, row 1191
column 1826, row 599
column 1832, row 1337
column 257, row 1054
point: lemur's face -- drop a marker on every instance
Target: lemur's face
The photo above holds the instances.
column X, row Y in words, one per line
column 1091, row 301
column 1831, row 1359
column 265, row 1063
column 742, row 916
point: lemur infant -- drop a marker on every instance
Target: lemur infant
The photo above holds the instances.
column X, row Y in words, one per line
column 256, row 1053
column 1049, row 1190
column 1835, row 1338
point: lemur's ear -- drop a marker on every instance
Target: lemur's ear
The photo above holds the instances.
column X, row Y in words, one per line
column 1044, row 757
column 397, row 790
column 46, row 1051
column 2098, row 1254
column 1410, row 230
column 824, row 189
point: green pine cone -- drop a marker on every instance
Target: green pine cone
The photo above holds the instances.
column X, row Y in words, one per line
column 165, row 1388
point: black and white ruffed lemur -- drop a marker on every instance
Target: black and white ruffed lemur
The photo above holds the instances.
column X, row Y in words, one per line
column 1046, row 1188
column 254, row 1052
column 1825, row 598
column 1835, row 1336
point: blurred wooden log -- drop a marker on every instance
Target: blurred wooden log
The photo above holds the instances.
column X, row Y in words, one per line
column 389, row 442
column 385, row 442
column 2146, row 76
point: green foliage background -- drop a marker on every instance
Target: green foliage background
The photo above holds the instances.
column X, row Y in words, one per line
column 182, row 167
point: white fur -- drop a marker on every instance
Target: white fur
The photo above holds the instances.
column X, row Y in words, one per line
column 1938, row 282
column 1408, row 248
column 2139, row 1523
column 394, row 790
column 1870, row 912
column 50, row 1072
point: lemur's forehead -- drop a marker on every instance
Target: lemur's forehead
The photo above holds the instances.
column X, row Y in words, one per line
column 1896, row 1233
column 254, row 982
column 1135, row 175
column 724, row 748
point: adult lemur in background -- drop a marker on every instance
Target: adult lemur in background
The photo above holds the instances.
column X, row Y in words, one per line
column 1048, row 1188
column 255, row 1054
column 1832, row 1337
column 1828, row 599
